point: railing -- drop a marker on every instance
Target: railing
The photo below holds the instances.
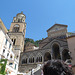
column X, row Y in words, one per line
column 33, row 70
column 10, row 68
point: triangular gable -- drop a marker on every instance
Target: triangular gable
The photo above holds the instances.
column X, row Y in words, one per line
column 57, row 26
column 61, row 41
column 44, row 40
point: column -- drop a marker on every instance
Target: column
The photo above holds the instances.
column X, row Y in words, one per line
column 61, row 53
column 51, row 54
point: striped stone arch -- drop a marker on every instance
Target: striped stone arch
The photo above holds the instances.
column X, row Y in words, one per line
column 55, row 47
column 55, row 42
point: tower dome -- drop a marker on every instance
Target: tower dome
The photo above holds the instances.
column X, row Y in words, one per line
column 20, row 17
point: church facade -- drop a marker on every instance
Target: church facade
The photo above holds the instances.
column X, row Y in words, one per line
column 55, row 46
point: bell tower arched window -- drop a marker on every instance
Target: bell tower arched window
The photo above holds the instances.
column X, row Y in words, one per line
column 16, row 28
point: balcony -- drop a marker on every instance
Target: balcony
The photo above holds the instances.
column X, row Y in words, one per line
column 11, row 69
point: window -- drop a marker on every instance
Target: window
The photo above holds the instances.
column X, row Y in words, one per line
column 6, row 42
column 7, row 54
column 10, row 63
column 9, row 46
column 16, row 28
column 11, row 56
column 14, row 41
column 31, row 60
column 39, row 59
column 23, row 61
column 3, row 50
column 15, row 66
column 17, row 57
column 19, row 20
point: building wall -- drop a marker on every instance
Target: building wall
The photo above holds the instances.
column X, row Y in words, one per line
column 57, row 31
column 6, row 46
column 71, row 45
column 2, row 38
column 22, row 27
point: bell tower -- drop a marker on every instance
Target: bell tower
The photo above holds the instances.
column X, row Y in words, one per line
column 17, row 33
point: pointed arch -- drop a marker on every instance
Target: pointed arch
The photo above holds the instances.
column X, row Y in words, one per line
column 16, row 28
column 39, row 57
column 24, row 59
column 56, row 50
column 31, row 59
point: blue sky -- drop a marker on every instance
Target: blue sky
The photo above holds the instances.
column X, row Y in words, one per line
column 40, row 15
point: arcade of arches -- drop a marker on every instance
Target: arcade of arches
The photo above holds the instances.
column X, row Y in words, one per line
column 54, row 51
column 47, row 56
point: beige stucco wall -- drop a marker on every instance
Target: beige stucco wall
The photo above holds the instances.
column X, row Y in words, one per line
column 22, row 26
column 71, row 45
column 57, row 33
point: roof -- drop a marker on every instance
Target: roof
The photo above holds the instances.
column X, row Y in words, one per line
column 21, row 14
column 57, row 25
column 3, row 26
column 70, row 36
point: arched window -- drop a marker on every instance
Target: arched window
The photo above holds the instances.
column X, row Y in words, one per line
column 29, row 60
column 39, row 59
column 3, row 50
column 26, row 60
column 23, row 61
column 16, row 28
column 17, row 56
column 19, row 20
column 11, row 56
column 14, row 41
column 33, row 59
column 7, row 54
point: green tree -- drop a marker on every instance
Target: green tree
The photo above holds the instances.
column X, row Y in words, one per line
column 3, row 63
column 36, row 43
